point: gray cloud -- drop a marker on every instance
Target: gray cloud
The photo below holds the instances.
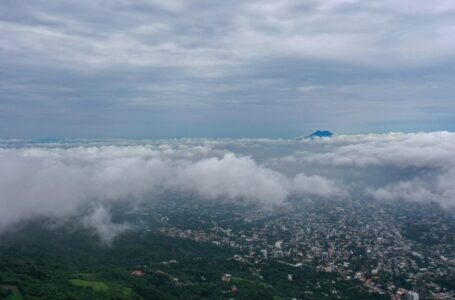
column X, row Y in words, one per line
column 179, row 33
column 137, row 69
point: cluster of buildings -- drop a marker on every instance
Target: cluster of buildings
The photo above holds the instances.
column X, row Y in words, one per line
column 366, row 243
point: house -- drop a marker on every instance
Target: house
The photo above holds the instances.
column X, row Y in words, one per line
column 226, row 277
column 138, row 273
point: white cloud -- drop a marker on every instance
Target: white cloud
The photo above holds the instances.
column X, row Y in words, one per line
column 316, row 185
column 100, row 220
column 61, row 180
column 420, row 150
column 404, row 190
column 232, row 177
column 58, row 182
column 416, row 167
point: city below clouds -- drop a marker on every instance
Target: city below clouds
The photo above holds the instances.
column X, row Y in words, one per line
column 67, row 178
column 224, row 69
column 253, row 149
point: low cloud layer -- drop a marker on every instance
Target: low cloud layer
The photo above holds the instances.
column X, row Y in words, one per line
column 100, row 220
column 59, row 180
column 416, row 167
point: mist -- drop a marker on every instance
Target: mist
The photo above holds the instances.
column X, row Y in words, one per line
column 56, row 180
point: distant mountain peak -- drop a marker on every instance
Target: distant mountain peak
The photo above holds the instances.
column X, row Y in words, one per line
column 317, row 134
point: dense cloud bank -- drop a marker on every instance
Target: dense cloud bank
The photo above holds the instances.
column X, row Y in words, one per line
column 57, row 180
column 413, row 167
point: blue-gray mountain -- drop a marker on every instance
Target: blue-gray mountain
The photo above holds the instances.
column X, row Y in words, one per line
column 317, row 134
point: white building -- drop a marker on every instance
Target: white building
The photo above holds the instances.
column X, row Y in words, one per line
column 412, row 296
column 278, row 244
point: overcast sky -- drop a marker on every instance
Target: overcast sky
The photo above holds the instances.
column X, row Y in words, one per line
column 171, row 68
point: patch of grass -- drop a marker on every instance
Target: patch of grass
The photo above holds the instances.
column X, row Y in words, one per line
column 240, row 281
column 15, row 293
column 85, row 276
column 127, row 292
column 15, row 296
column 90, row 280
column 97, row 286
